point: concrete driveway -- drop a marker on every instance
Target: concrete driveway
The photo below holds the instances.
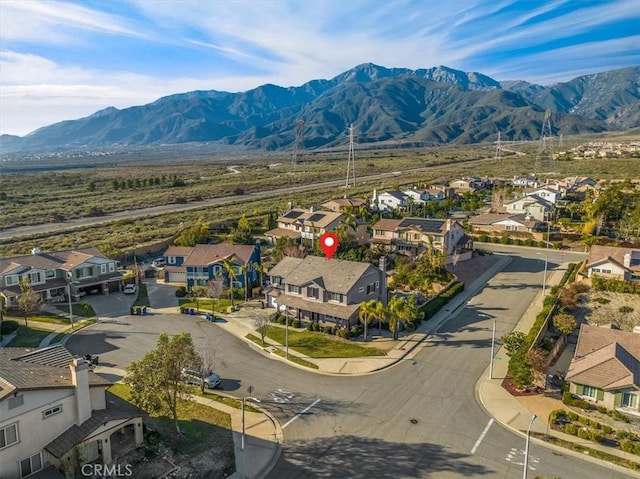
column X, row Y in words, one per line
column 110, row 305
column 161, row 295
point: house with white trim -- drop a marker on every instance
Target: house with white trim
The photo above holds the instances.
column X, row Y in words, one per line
column 534, row 206
column 55, row 413
column 390, row 200
column 605, row 368
column 614, row 262
column 498, row 223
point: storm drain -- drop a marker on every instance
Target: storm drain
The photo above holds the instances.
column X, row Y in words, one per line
column 414, row 421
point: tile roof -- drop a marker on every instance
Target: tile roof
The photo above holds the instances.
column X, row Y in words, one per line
column 606, row 358
column 603, row 253
column 338, row 276
column 30, row 369
column 117, row 409
column 178, row 251
column 319, row 218
column 206, row 254
column 421, row 225
column 344, row 311
column 279, row 232
column 60, row 259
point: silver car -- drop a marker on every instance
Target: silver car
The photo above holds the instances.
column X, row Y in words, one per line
column 198, row 377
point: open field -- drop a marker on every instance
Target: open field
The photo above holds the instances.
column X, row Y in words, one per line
column 55, row 197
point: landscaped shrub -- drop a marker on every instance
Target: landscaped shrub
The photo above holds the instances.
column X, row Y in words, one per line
column 615, row 285
column 602, row 409
column 282, row 319
column 316, row 326
column 295, row 323
column 505, row 240
column 618, row 415
column 596, row 436
column 584, row 433
column 495, row 239
column 572, row 416
column 584, row 420
column 606, row 429
column 310, row 326
column 625, row 309
column 528, row 242
column 570, row 429
column 9, row 326
column 620, row 434
column 483, row 238
column 433, row 306
column 627, row 445
column 601, row 300
column 343, row 333
column 326, row 330
column 541, row 244
column 569, row 400
column 181, row 292
column 557, row 245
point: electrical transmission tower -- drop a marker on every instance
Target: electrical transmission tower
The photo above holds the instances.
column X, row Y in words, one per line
column 298, row 145
column 498, row 156
column 351, row 161
column 544, row 157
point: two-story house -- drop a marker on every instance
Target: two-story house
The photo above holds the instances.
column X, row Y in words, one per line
column 388, row 201
column 605, row 368
column 501, row 223
column 299, row 223
column 329, row 291
column 525, row 181
column 53, row 409
column 340, row 204
column 547, row 193
column 534, row 206
column 197, row 265
column 56, row 275
column 415, row 235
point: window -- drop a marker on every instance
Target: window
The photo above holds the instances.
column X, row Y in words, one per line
column 629, row 400
column 294, row 289
column 335, row 297
column 35, row 277
column 371, row 288
column 361, row 289
column 11, row 280
column 50, row 273
column 312, row 292
column 103, row 268
column 51, row 411
column 8, row 435
column 276, row 280
column 16, row 401
column 589, row 392
column 112, row 267
column 171, row 259
column 31, row 465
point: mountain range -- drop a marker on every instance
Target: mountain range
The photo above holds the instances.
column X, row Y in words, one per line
column 433, row 106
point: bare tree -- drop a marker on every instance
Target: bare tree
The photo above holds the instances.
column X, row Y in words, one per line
column 208, row 360
column 261, row 323
column 28, row 300
column 214, row 289
column 454, row 259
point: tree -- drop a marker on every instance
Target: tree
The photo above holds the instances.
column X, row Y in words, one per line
column 513, row 341
column 380, row 313
column 195, row 293
column 245, row 276
column 214, row 289
column 261, row 269
column 230, row 269
column 365, row 315
column 261, row 323
column 537, row 359
column 156, row 380
column 565, row 323
column 28, row 300
column 196, row 234
column 403, row 312
column 242, row 234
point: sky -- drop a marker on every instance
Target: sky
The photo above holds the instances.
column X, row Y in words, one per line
column 61, row 60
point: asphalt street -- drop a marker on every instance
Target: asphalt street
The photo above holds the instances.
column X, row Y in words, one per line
column 418, row 418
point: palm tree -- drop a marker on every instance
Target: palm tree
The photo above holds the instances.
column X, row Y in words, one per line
column 395, row 311
column 365, row 315
column 230, row 269
column 380, row 313
column 260, row 268
column 404, row 311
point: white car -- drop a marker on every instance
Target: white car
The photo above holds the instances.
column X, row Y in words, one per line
column 130, row 289
column 199, row 377
column 158, row 263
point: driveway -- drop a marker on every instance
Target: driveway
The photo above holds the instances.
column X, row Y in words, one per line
column 161, row 295
column 110, row 305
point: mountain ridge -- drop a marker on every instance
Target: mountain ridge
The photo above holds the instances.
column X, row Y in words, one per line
column 438, row 104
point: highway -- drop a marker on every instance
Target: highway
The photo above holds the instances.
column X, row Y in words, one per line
column 419, row 418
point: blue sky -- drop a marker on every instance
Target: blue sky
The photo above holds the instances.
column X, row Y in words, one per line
column 62, row 60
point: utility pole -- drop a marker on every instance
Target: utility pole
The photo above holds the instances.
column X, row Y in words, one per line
column 351, row 160
column 298, row 145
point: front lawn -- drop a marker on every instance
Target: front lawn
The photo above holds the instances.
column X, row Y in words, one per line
column 205, row 304
column 28, row 337
column 205, row 431
column 84, row 310
column 318, row 345
column 41, row 317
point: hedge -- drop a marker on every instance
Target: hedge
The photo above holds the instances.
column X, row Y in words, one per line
column 432, row 307
column 9, row 326
column 614, row 285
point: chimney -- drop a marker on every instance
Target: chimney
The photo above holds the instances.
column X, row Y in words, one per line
column 383, row 280
column 311, row 209
column 627, row 260
column 80, row 379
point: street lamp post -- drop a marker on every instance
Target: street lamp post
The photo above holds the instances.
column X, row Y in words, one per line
column 70, row 309
column 286, row 332
column 526, row 448
column 544, row 279
column 493, row 342
column 244, row 398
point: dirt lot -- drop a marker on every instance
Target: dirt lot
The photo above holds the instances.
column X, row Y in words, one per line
column 620, row 309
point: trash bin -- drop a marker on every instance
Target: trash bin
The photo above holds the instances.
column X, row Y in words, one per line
column 192, row 311
column 144, row 310
column 207, row 316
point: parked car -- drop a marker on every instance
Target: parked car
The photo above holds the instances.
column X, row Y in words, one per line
column 158, row 263
column 130, row 289
column 197, row 376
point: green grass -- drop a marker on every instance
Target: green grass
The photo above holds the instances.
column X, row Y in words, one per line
column 42, row 317
column 84, row 310
column 317, row 345
column 227, row 401
column 202, row 428
column 58, row 338
column 282, row 354
column 205, row 304
column 28, row 337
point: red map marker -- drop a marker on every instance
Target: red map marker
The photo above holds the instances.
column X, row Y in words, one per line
column 329, row 244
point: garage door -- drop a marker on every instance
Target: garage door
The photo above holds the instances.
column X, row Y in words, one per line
column 177, row 277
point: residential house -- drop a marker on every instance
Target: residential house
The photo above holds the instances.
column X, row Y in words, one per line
column 525, row 181
column 500, row 223
column 300, row 224
column 204, row 262
column 463, row 185
column 54, row 408
column 55, row 275
column 605, row 368
column 316, row 289
column 341, row 204
column 415, row 235
column 389, row 201
column 614, row 262
column 533, row 206
column 418, row 195
column 547, row 193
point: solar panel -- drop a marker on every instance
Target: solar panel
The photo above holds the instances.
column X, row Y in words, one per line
column 315, row 217
column 293, row 214
column 429, row 226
